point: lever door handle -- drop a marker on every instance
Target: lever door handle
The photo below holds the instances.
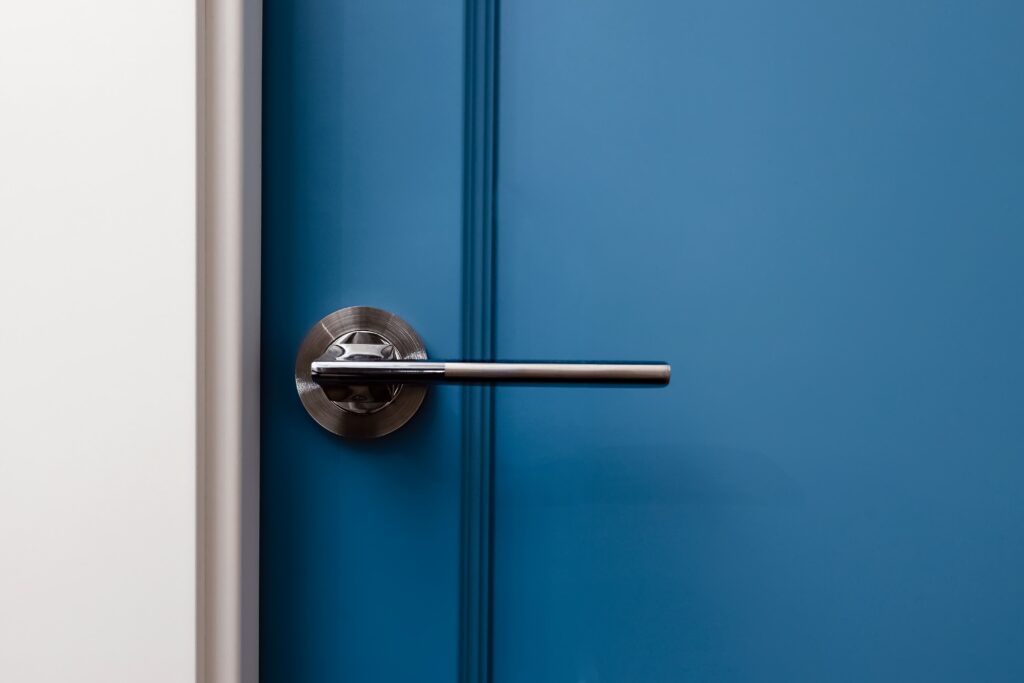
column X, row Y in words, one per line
column 348, row 367
column 363, row 372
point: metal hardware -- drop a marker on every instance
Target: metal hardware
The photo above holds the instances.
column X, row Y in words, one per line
column 364, row 372
column 328, row 371
column 360, row 409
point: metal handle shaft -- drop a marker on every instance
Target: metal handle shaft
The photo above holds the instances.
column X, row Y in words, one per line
column 334, row 371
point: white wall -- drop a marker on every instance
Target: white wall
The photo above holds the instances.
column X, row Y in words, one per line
column 97, row 282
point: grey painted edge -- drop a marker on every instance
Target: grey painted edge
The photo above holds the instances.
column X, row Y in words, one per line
column 228, row 82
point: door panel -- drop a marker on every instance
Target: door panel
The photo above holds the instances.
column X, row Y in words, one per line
column 362, row 188
column 813, row 210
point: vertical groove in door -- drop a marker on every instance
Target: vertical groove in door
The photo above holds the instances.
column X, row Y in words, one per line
column 479, row 201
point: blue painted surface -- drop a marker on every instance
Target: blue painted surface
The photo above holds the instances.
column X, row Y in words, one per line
column 814, row 210
column 362, row 206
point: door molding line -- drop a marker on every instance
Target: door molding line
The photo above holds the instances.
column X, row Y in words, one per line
column 478, row 326
column 228, row 84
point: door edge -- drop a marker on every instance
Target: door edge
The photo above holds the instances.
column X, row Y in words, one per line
column 228, row 133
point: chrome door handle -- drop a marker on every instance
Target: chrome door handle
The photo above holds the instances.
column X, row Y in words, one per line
column 347, row 367
column 363, row 372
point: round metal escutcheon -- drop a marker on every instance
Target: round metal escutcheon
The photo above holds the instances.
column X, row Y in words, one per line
column 333, row 416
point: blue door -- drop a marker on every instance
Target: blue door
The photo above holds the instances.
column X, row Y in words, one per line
column 813, row 210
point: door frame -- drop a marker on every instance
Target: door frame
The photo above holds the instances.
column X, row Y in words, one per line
column 228, row 135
